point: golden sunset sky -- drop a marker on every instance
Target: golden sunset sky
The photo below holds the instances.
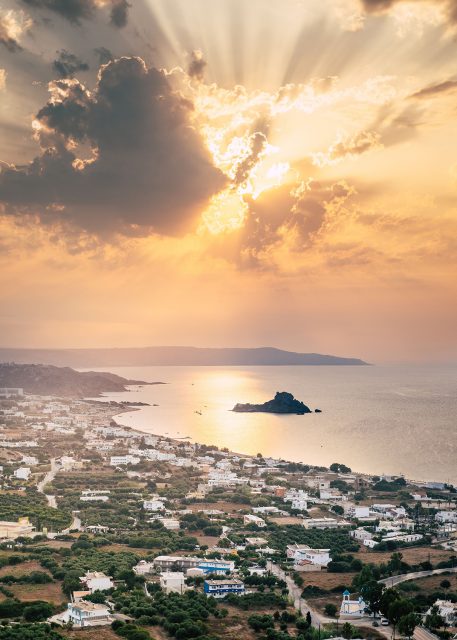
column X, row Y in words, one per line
column 230, row 173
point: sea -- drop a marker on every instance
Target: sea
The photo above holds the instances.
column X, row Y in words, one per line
column 375, row 419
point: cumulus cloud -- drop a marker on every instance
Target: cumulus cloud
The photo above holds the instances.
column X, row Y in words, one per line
column 67, row 64
column 13, row 24
column 148, row 169
column 348, row 146
column 289, row 219
column 197, row 65
column 77, row 10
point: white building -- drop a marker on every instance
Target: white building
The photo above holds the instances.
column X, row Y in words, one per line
column 352, row 608
column 223, row 479
column 173, row 581
column 444, row 517
column 143, row 568
column 153, row 505
column 97, row 581
column 172, row 524
column 357, row 512
column 118, row 461
column 88, row 614
column 447, row 610
column 324, row 523
column 361, row 534
column 23, row 473
column 253, row 519
column 303, row 552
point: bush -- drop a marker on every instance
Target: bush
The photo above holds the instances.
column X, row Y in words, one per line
column 38, row 612
column 330, row 609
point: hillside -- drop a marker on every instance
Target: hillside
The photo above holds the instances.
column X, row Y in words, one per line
column 60, row 381
column 155, row 356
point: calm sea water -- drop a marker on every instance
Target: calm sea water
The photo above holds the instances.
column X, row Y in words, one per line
column 374, row 419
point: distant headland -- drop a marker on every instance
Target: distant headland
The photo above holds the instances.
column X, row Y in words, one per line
column 47, row 380
column 172, row 356
column 283, row 402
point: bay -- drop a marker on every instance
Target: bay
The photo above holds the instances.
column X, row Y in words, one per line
column 379, row 419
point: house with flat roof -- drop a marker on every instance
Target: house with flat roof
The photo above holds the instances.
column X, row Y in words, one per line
column 97, row 581
column 303, row 556
column 88, row 614
column 173, row 582
column 222, row 588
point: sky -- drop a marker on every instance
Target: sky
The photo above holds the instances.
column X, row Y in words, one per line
column 230, row 173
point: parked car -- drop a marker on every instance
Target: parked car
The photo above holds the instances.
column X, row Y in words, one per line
column 384, row 622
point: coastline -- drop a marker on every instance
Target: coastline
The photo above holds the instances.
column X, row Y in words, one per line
column 376, row 419
column 139, row 431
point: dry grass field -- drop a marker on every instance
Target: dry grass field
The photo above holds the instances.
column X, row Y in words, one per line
column 51, row 592
column 22, row 569
column 412, row 555
column 100, row 633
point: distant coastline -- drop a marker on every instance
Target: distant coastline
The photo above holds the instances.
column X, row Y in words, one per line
column 173, row 356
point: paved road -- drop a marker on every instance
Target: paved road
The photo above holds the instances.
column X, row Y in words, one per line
column 75, row 524
column 49, row 477
column 404, row 577
column 317, row 618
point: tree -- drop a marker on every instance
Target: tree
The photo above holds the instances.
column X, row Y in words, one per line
column 398, row 609
column 388, row 598
column 308, row 618
column 407, row 624
column 434, row 620
column 330, row 609
column 37, row 612
column 395, row 562
column 71, row 582
column 445, row 584
column 347, row 631
column 372, row 593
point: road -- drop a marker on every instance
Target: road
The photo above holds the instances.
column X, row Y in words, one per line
column 49, row 477
column 317, row 618
column 404, row 577
column 75, row 524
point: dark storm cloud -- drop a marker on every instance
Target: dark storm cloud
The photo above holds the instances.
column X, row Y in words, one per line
column 119, row 13
column 67, row 64
column 436, row 89
column 77, row 10
column 149, row 169
column 383, row 6
column 72, row 10
column 197, row 65
column 104, row 55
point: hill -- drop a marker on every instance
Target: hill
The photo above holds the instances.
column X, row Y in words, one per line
column 60, row 381
column 191, row 356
